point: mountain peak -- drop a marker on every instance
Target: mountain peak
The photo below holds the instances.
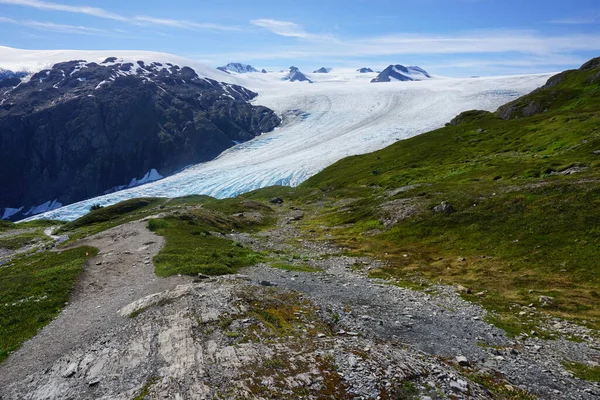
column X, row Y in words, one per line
column 296, row 76
column 364, row 70
column 399, row 72
column 238, row 68
column 322, row 70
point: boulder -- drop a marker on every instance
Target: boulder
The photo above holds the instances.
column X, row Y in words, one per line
column 546, row 300
column 444, row 208
column 463, row 289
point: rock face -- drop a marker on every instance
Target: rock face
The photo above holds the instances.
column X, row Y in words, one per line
column 296, row 76
column 401, row 73
column 237, row 67
column 322, row 70
column 215, row 339
column 10, row 78
column 79, row 129
column 364, row 70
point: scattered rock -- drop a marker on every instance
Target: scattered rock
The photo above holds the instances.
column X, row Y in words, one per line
column 570, row 171
column 94, row 381
column 462, row 361
column 276, row 200
column 546, row 300
column 444, row 208
column 266, row 283
column 463, row 289
column 70, row 371
column 459, row 385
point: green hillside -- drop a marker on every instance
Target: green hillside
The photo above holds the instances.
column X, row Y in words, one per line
column 524, row 187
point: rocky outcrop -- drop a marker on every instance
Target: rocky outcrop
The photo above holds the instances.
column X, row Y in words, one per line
column 296, row 76
column 79, row 129
column 10, row 78
column 364, row 70
column 560, row 90
column 467, row 116
column 231, row 339
column 401, row 73
column 322, row 70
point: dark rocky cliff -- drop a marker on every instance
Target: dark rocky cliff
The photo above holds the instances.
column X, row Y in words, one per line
column 80, row 129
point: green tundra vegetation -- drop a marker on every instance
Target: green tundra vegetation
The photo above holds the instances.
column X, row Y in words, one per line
column 524, row 189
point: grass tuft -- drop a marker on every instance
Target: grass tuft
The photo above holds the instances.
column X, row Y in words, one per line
column 582, row 371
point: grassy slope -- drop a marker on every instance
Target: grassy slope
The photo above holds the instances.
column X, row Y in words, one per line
column 193, row 244
column 33, row 290
column 108, row 217
column 519, row 227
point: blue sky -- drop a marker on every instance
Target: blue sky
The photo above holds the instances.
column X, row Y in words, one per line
column 446, row 37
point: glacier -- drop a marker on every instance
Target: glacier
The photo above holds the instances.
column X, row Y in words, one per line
column 337, row 117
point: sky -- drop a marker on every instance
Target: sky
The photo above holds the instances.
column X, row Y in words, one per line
column 446, row 37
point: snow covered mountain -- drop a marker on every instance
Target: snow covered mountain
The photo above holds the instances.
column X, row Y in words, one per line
column 80, row 129
column 237, row 68
column 322, row 70
column 294, row 75
column 364, row 70
column 401, row 73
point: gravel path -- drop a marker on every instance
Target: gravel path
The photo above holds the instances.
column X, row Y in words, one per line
column 121, row 273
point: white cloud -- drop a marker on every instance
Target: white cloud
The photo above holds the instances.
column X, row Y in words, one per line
column 477, row 42
column 45, row 5
column 101, row 13
column 527, row 43
column 174, row 23
column 8, row 20
column 288, row 29
column 575, row 21
column 51, row 26
column 591, row 18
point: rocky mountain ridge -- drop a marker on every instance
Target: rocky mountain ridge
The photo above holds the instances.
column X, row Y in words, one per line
column 79, row 129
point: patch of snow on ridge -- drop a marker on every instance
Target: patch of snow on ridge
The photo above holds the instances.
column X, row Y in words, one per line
column 150, row 176
column 9, row 212
column 339, row 119
column 45, row 207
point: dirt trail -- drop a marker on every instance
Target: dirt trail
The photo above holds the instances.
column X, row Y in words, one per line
column 121, row 273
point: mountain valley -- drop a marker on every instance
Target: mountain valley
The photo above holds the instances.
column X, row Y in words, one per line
column 424, row 238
